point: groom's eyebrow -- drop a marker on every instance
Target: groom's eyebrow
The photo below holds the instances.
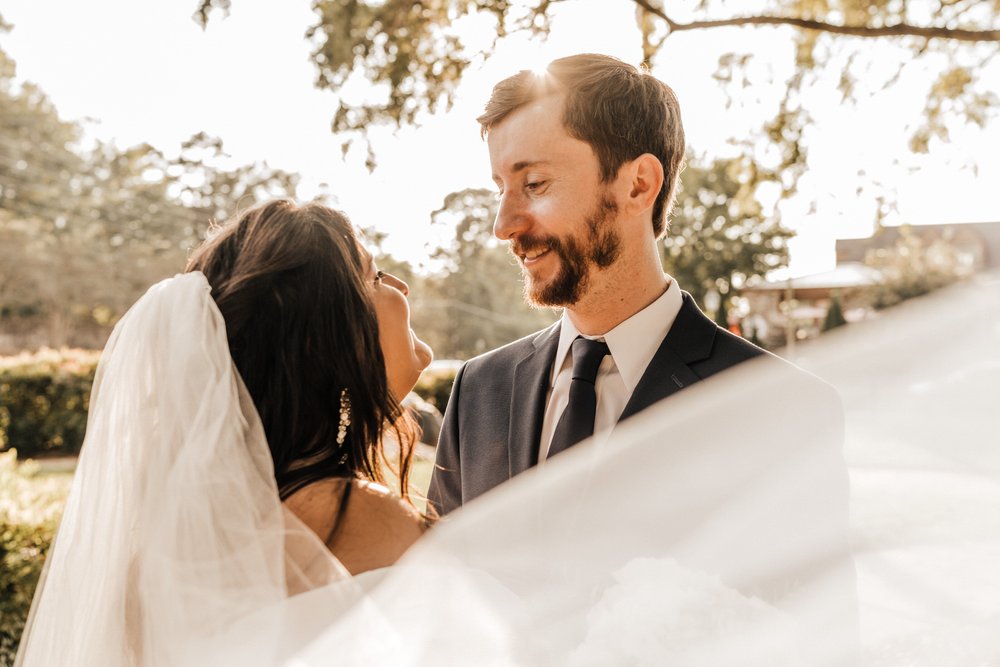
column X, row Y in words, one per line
column 522, row 165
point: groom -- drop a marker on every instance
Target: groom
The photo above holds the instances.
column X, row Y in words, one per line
column 586, row 157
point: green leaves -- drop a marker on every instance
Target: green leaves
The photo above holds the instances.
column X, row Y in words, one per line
column 43, row 401
column 953, row 98
column 719, row 237
column 414, row 55
column 408, row 50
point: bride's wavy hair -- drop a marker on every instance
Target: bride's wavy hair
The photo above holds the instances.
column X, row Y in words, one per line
column 291, row 284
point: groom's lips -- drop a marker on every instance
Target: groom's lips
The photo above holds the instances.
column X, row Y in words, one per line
column 533, row 257
column 531, row 254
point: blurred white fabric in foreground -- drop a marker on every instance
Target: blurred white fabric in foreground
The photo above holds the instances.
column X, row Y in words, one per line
column 709, row 530
column 921, row 388
column 613, row 556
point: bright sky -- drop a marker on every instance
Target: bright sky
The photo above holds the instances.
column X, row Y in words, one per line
column 144, row 72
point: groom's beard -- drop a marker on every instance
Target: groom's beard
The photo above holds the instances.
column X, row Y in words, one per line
column 600, row 248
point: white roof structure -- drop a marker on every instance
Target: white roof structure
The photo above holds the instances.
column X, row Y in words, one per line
column 846, row 275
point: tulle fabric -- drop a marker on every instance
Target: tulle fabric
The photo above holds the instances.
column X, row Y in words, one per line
column 173, row 529
column 712, row 529
column 670, row 545
column 692, row 538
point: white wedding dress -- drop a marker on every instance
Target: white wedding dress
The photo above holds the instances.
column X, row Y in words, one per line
column 646, row 550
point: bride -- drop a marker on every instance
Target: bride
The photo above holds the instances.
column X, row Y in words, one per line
column 236, row 445
column 311, row 323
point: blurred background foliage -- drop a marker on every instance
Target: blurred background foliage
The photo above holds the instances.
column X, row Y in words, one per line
column 44, row 398
column 85, row 229
column 416, row 54
column 914, row 266
column 30, row 506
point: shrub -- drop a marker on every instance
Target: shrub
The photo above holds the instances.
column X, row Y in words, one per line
column 44, row 398
column 834, row 315
column 30, row 506
column 434, row 386
column 915, row 265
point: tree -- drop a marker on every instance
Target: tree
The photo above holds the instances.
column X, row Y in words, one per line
column 84, row 231
column 201, row 179
column 914, row 266
column 37, row 162
column 43, row 208
column 835, row 314
column 416, row 53
column 475, row 303
column 718, row 236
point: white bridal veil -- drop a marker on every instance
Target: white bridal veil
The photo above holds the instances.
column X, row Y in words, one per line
column 172, row 530
column 707, row 531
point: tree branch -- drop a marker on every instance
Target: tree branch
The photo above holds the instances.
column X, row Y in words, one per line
column 895, row 30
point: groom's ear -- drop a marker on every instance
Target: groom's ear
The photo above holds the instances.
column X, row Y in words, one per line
column 644, row 178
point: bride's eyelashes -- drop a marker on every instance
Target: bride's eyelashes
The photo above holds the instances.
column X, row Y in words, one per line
column 379, row 275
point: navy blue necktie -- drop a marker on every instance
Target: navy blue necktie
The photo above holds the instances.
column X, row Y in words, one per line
column 577, row 420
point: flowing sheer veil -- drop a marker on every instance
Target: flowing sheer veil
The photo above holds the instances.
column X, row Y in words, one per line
column 712, row 529
column 663, row 546
column 173, row 528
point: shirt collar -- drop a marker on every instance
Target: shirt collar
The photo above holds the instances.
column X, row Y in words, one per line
column 634, row 341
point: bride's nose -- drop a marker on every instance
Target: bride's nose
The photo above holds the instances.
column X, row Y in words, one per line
column 392, row 280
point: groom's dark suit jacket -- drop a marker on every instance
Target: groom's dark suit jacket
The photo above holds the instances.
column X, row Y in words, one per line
column 783, row 433
column 493, row 421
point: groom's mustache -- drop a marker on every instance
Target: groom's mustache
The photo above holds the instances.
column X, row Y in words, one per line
column 528, row 244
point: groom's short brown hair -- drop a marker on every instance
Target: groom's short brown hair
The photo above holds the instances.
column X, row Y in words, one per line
column 620, row 110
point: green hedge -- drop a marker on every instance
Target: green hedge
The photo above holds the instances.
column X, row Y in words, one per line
column 434, row 386
column 44, row 398
column 30, row 506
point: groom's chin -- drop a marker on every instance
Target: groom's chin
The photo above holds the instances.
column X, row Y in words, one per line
column 560, row 291
column 533, row 293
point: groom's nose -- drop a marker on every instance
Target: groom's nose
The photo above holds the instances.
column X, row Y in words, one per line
column 510, row 220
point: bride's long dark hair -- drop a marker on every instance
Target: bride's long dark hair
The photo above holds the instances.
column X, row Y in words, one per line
column 291, row 283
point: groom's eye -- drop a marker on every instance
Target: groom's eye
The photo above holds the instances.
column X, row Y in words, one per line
column 535, row 186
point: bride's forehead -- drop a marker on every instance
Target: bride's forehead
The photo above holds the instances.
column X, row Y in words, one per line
column 367, row 259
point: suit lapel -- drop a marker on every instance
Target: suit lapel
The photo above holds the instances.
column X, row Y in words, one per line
column 690, row 339
column 527, row 405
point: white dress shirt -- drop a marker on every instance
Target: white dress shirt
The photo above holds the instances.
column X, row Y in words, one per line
column 632, row 344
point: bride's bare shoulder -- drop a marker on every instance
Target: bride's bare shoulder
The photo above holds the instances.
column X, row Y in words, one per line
column 379, row 499
column 372, row 530
column 317, row 504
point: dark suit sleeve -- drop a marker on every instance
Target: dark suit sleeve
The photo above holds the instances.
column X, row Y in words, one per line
column 445, row 491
